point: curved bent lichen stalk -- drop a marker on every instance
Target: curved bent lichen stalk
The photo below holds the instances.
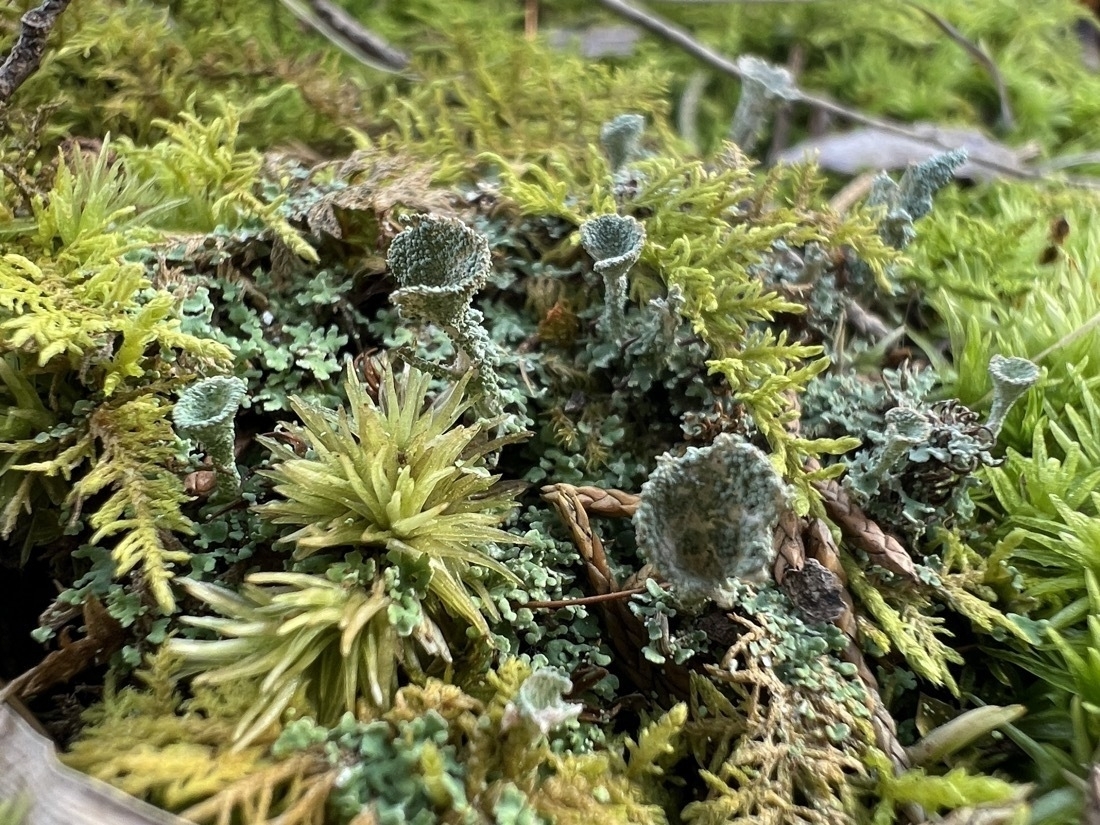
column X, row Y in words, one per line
column 441, row 264
column 763, row 88
column 205, row 411
column 707, row 518
column 615, row 244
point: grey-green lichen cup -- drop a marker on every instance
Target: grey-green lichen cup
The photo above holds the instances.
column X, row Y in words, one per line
column 707, row 518
column 205, row 412
column 440, row 264
column 615, row 244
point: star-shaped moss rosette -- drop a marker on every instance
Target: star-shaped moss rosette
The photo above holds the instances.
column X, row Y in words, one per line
column 205, row 412
column 707, row 518
column 333, row 644
column 440, row 265
column 615, row 244
column 400, row 475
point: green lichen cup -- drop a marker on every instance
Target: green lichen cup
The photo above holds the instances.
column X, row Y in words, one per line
column 205, row 412
column 440, row 264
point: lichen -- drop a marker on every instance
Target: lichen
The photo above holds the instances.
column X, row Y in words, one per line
column 440, row 265
column 205, row 411
column 706, row 518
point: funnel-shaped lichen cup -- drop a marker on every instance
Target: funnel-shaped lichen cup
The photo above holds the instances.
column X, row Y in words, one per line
column 708, row 517
column 1012, row 377
column 205, row 412
column 615, row 244
column 440, row 264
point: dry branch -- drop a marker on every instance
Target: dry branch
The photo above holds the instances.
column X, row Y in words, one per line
column 26, row 55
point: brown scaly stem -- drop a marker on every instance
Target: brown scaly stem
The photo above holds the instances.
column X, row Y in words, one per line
column 26, row 55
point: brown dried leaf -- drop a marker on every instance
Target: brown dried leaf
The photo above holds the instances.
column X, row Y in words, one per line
column 103, row 637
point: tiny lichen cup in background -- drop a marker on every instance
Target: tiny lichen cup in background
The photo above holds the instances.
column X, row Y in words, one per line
column 764, row 88
column 205, row 412
column 615, row 244
column 905, row 429
column 621, row 140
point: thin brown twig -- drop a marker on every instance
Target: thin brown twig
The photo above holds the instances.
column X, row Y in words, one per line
column 26, row 55
column 348, row 34
column 583, row 600
column 1008, row 120
column 531, row 19
column 678, row 36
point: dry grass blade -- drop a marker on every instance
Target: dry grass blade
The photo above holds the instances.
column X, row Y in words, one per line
column 302, row 783
column 821, row 547
column 609, row 503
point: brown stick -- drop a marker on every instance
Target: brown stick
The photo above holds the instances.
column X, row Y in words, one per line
column 582, row 600
column 26, row 55
column 678, row 36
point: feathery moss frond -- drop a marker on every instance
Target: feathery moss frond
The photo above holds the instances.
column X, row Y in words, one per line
column 214, row 181
column 138, row 453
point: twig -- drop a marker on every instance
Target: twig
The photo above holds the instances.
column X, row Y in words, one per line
column 674, row 34
column 1008, row 121
column 531, row 19
column 348, row 34
column 583, row 600
column 26, row 55
column 781, row 128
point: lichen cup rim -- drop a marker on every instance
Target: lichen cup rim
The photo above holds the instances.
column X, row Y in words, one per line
column 632, row 238
column 219, row 397
column 439, row 260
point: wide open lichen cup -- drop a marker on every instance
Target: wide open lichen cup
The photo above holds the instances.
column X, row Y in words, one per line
column 706, row 519
column 440, row 264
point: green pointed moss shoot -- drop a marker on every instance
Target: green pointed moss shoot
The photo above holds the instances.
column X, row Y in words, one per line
column 763, row 87
column 398, row 474
column 540, row 703
column 205, row 411
column 707, row 518
column 615, row 244
column 300, row 635
column 621, row 139
column 1012, row 377
column 440, row 265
